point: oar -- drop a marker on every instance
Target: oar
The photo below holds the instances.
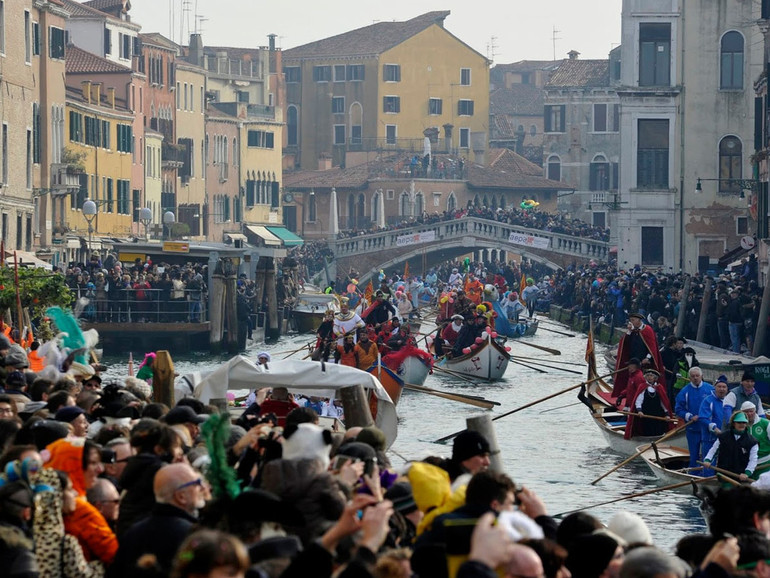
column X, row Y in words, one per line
column 530, row 404
column 554, row 331
column 646, row 447
column 453, row 374
column 533, row 359
column 540, row 347
column 561, row 407
column 296, row 351
column 645, row 416
column 527, row 366
column 639, row 495
column 475, row 402
column 720, row 470
column 728, row 480
column 557, row 368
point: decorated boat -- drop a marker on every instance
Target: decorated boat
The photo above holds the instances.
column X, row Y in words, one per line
column 310, row 308
column 392, row 383
column 411, row 364
column 240, row 375
column 488, row 361
column 670, row 464
column 514, row 330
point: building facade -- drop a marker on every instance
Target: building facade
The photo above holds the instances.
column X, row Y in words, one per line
column 687, row 124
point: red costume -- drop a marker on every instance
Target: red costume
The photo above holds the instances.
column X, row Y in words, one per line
column 280, row 408
column 474, row 290
column 635, row 384
column 639, row 343
column 634, row 425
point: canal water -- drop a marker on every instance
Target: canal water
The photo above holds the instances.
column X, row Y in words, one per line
column 556, row 453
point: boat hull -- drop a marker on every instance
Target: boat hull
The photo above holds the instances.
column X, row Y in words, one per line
column 669, row 465
column 309, row 311
column 413, row 371
column 307, row 321
column 392, row 383
column 488, row 362
column 523, row 329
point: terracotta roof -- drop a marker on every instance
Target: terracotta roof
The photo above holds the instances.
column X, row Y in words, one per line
column 508, row 170
column 157, row 39
column 581, row 74
column 527, row 66
column 520, row 99
column 78, row 10
column 105, row 5
column 373, row 39
column 348, row 178
column 79, row 61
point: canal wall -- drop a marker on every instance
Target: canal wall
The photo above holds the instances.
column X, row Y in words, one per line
column 603, row 332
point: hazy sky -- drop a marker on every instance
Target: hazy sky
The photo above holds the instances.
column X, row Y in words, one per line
column 522, row 29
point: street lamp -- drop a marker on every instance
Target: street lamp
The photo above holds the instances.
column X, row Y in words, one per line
column 145, row 216
column 89, row 212
column 168, row 220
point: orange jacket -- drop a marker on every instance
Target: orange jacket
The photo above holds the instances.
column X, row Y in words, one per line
column 347, row 357
column 36, row 363
column 366, row 358
column 93, row 532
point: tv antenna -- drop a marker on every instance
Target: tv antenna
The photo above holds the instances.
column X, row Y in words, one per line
column 555, row 38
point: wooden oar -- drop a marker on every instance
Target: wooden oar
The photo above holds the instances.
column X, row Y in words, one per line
column 554, row 331
column 540, row 347
column 475, row 402
column 527, row 366
column 639, row 495
column 562, row 406
column 541, row 400
column 720, row 470
column 670, row 434
column 645, row 416
column 724, row 478
column 296, row 351
column 560, row 362
column 556, row 367
column 453, row 374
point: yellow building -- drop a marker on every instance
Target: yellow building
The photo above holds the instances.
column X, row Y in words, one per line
column 260, row 169
column 386, row 87
column 98, row 140
column 153, row 176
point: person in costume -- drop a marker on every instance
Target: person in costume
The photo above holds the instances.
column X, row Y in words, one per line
column 145, row 369
column 451, row 332
column 366, row 351
column 512, row 307
column 735, row 450
column 529, row 294
column 687, row 406
column 639, row 342
column 474, row 289
column 712, row 411
column 463, row 305
column 758, row 429
column 346, row 321
column 651, row 399
column 636, row 382
column 324, row 338
column 345, row 354
column 455, row 278
column 379, row 311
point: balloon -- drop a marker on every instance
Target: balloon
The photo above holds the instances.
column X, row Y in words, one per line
column 351, row 288
column 451, row 300
column 494, row 335
column 230, row 396
column 488, row 329
column 466, row 350
column 479, row 340
column 507, row 347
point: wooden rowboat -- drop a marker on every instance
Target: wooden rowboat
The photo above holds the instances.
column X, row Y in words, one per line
column 392, row 383
column 488, row 361
column 413, row 370
column 309, row 311
column 670, row 465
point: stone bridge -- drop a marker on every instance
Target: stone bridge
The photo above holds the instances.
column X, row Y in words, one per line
column 429, row 245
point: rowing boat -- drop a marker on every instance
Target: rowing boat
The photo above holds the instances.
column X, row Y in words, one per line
column 392, row 383
column 410, row 363
column 488, row 361
column 670, row 465
column 309, row 311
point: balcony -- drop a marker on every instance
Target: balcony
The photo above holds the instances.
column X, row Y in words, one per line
column 223, row 66
column 172, row 156
column 65, row 179
column 414, row 145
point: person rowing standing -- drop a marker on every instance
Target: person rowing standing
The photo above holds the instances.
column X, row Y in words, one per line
column 735, row 450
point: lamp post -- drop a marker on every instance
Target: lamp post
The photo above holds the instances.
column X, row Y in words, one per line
column 168, row 220
column 89, row 212
column 145, row 217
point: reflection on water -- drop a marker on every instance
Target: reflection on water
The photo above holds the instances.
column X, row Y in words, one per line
column 556, row 453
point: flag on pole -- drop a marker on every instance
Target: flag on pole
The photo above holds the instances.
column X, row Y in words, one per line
column 522, row 286
column 406, row 270
column 591, row 354
column 368, row 292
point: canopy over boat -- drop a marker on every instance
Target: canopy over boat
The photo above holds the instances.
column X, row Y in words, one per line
column 301, row 377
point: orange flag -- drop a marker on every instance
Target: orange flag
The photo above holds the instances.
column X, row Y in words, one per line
column 522, row 286
column 368, row 292
column 406, row 270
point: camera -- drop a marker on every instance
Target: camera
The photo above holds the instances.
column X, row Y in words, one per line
column 107, row 455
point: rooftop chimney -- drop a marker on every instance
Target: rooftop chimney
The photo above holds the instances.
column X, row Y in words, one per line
column 271, row 41
column 196, row 49
column 86, row 88
column 96, row 92
column 111, row 97
column 573, row 54
column 324, row 162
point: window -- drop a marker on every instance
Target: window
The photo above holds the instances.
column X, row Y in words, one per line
column 654, row 54
column 5, row 154
column 105, row 134
column 390, row 135
column 599, row 219
column 435, row 106
column 599, row 177
column 27, row 37
column 107, row 42
column 124, row 200
column 554, row 118
column 109, row 193
column 741, row 225
column 553, row 166
column 465, row 108
column 731, row 74
column 2, row 27
column 355, row 134
column 292, row 126
column 260, row 139
column 465, row 76
column 390, row 194
column 92, row 131
column 76, row 127
column 652, row 154
column 339, row 73
column 403, row 205
column 451, row 202
column 355, row 72
column 243, row 96
column 338, row 105
column 730, row 164
column 293, row 74
column 652, row 245
column 600, row 118
column 322, row 73
column 125, row 136
column 339, row 134
column 55, row 42
column 29, row 159
column 36, row 38
column 36, row 133
column 391, row 104
column 311, row 212
column 391, row 72
column 465, row 138
column 125, row 47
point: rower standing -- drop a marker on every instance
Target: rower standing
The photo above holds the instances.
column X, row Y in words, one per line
column 712, row 411
column 639, row 342
column 688, row 402
column 652, row 400
column 744, row 392
column 736, row 451
column 758, row 429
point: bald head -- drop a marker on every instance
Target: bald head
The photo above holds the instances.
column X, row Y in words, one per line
column 524, row 561
column 352, row 433
column 169, row 479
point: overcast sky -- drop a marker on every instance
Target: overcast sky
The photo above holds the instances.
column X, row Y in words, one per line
column 522, row 29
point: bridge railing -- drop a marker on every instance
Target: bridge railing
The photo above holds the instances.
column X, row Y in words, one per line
column 475, row 227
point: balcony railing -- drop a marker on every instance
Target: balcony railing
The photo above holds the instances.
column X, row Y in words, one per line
column 394, row 144
column 172, row 156
column 233, row 67
column 155, row 306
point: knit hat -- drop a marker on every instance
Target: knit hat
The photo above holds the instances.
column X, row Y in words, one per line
column 264, row 354
column 590, row 555
column 747, row 405
column 747, row 375
column 372, row 436
column 15, row 380
column 136, row 385
column 469, row 444
column 630, row 527
column 16, row 357
column 721, row 379
column 68, row 413
column 401, row 495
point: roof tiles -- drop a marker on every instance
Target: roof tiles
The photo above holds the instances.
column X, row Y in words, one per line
column 78, row 61
column 581, row 74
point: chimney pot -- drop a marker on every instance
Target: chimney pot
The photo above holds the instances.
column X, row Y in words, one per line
column 86, row 88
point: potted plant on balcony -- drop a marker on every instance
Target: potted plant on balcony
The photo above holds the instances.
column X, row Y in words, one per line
column 74, row 161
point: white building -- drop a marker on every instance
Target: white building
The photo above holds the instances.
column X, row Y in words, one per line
column 110, row 35
column 687, row 113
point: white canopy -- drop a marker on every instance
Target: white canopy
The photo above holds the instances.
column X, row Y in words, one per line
column 301, row 377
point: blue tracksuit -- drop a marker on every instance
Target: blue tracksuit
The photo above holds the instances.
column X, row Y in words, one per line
column 688, row 403
column 712, row 415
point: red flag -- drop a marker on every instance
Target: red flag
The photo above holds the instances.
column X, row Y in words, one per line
column 522, row 286
column 406, row 270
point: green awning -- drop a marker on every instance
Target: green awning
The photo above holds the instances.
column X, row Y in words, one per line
column 289, row 239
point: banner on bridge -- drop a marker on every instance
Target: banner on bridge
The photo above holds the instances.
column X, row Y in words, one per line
column 528, row 241
column 415, row 239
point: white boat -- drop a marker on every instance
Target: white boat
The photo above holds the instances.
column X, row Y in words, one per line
column 310, row 308
column 489, row 361
column 310, row 378
column 670, row 464
column 413, row 370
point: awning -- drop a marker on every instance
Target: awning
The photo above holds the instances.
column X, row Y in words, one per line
column 289, row 239
column 26, row 259
column 236, row 236
column 267, row 237
column 73, row 243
